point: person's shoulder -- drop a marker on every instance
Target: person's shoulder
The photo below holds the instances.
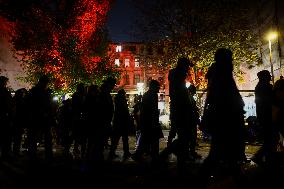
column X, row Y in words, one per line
column 33, row 90
column 146, row 95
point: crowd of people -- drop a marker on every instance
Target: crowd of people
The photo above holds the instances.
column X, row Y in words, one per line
column 91, row 118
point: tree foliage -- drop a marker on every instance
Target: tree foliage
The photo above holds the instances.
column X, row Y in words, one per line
column 66, row 40
column 197, row 28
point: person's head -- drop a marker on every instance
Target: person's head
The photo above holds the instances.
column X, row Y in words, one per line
column 223, row 55
column 224, row 59
column 154, row 86
column 21, row 93
column 264, row 75
column 108, row 84
column 43, row 81
column 93, row 89
column 121, row 92
column 184, row 63
column 3, row 81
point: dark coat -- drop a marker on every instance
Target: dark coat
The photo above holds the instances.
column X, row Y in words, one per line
column 121, row 118
column 150, row 126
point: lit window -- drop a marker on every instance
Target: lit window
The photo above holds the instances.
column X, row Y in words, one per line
column 126, row 77
column 118, row 48
column 126, row 61
column 136, row 61
column 116, row 62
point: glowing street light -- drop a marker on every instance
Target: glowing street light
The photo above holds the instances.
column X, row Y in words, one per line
column 271, row 36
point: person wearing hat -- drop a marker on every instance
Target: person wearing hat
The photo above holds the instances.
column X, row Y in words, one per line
column 5, row 118
column 263, row 101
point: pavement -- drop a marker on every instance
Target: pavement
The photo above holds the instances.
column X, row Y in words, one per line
column 65, row 173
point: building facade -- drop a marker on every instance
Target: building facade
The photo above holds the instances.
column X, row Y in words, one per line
column 136, row 73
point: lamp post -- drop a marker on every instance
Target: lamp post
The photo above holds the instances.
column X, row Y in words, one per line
column 271, row 36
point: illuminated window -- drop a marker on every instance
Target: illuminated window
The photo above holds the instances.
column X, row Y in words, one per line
column 126, row 61
column 118, row 48
column 136, row 62
column 116, row 62
column 126, row 78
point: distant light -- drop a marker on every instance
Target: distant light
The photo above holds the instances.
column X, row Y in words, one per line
column 187, row 84
column 55, row 98
column 140, row 88
column 272, row 36
column 161, row 105
column 67, row 96
column 165, row 119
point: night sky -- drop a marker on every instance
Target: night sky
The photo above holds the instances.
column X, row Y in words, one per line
column 120, row 21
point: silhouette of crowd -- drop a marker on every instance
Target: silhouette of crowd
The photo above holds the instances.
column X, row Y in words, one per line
column 91, row 121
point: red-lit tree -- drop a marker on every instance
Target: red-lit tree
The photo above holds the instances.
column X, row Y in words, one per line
column 66, row 40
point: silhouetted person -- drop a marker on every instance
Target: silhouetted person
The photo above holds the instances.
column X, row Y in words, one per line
column 40, row 116
column 94, row 128
column 79, row 125
column 121, row 124
column 174, row 146
column 65, row 124
column 20, row 118
column 224, row 101
column 106, row 108
column 151, row 130
column 278, row 106
column 5, row 118
column 263, row 101
column 181, row 115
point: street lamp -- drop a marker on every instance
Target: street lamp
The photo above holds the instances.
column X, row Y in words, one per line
column 271, row 36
